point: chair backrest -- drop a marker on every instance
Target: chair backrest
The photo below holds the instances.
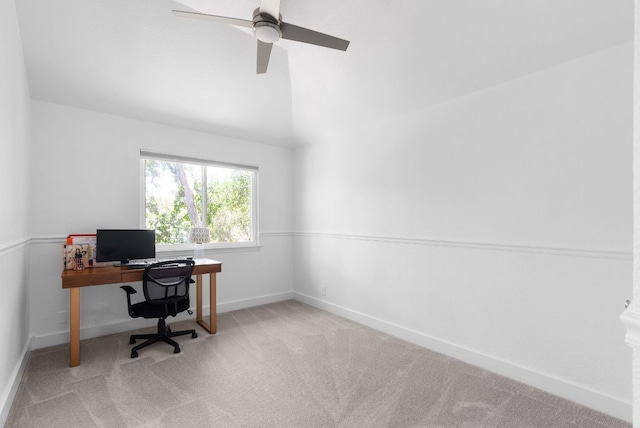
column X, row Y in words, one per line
column 167, row 283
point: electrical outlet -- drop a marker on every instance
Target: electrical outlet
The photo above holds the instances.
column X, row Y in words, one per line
column 324, row 290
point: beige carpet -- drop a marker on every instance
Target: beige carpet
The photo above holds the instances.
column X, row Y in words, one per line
column 280, row 365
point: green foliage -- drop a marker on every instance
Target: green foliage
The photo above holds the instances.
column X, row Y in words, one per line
column 228, row 208
column 168, row 217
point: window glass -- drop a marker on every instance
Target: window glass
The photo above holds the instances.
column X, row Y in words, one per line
column 183, row 195
column 229, row 204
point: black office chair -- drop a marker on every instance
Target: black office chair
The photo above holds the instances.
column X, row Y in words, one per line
column 166, row 291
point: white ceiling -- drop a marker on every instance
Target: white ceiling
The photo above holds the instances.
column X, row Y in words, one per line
column 135, row 58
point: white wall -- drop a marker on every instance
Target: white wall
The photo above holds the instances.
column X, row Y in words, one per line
column 495, row 227
column 14, row 189
column 631, row 316
column 88, row 177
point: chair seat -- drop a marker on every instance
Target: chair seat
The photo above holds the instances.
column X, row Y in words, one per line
column 147, row 310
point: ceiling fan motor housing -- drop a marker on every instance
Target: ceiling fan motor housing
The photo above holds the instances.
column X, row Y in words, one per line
column 266, row 28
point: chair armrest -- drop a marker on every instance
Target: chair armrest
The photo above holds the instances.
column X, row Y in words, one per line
column 129, row 289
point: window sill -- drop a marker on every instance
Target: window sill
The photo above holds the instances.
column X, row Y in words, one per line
column 163, row 253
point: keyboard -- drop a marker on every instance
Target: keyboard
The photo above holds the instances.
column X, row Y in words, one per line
column 143, row 264
column 136, row 265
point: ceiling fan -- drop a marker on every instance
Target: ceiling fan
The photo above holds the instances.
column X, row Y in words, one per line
column 268, row 28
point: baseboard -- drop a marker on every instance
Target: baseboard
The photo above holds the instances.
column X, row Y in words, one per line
column 14, row 382
column 579, row 394
column 254, row 301
column 61, row 337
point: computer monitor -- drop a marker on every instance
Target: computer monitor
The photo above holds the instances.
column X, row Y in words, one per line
column 123, row 245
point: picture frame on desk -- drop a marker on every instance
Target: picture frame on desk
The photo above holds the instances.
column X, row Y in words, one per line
column 89, row 239
column 76, row 256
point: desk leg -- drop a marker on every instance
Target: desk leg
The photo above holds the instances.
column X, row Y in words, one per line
column 199, row 299
column 74, row 327
column 212, row 327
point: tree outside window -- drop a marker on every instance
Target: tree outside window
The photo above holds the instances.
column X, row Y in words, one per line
column 182, row 195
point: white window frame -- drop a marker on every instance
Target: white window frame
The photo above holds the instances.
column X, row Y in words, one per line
column 166, row 248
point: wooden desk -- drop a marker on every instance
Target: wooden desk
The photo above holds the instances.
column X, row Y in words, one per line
column 74, row 280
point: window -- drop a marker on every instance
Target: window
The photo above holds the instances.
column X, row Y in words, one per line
column 183, row 193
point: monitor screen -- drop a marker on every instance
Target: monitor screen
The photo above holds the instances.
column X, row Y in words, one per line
column 122, row 245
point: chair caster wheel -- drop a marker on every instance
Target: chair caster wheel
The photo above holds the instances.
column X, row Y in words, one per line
column 134, row 354
column 194, row 335
column 132, row 341
column 176, row 350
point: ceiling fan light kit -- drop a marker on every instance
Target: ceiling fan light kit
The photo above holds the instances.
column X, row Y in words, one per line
column 265, row 27
column 268, row 29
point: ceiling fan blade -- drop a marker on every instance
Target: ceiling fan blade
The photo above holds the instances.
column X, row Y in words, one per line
column 272, row 7
column 300, row 34
column 215, row 18
column 264, row 52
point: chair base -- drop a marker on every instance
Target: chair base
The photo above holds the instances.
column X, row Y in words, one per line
column 164, row 334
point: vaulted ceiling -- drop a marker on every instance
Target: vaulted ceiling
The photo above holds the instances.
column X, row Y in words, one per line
column 135, row 58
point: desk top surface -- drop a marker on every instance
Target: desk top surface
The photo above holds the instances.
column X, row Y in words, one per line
column 117, row 274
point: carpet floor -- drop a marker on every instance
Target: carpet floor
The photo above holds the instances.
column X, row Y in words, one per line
column 280, row 365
